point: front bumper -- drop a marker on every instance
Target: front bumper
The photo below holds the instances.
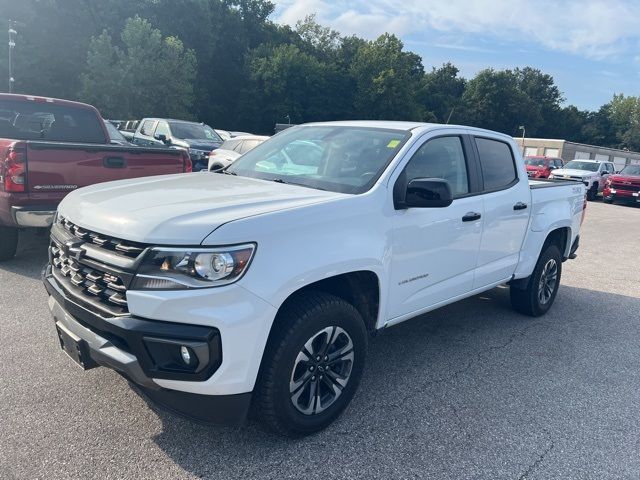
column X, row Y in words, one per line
column 611, row 193
column 119, row 343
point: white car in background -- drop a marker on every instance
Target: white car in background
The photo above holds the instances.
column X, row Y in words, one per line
column 226, row 134
column 592, row 173
column 232, row 149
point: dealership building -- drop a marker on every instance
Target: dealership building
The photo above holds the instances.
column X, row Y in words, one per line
column 570, row 151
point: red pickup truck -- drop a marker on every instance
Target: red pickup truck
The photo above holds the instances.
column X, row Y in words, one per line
column 49, row 147
column 623, row 186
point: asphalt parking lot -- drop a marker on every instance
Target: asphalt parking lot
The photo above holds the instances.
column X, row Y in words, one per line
column 473, row 390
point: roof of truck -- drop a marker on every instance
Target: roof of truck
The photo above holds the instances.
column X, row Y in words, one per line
column 402, row 126
column 39, row 99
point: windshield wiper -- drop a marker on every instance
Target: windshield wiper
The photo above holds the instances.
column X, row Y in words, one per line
column 279, row 180
column 227, row 172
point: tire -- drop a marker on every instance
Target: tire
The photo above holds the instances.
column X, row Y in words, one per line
column 8, row 242
column 531, row 300
column 592, row 193
column 284, row 398
column 607, row 200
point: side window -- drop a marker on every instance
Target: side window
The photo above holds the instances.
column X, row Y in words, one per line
column 496, row 159
column 163, row 129
column 559, row 164
column 441, row 158
column 148, row 127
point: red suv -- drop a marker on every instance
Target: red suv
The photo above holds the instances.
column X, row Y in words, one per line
column 540, row 166
column 623, row 186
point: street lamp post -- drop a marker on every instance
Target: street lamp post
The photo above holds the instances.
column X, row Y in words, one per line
column 521, row 127
column 12, row 44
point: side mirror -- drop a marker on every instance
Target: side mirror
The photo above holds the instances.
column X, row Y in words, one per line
column 427, row 193
column 162, row 138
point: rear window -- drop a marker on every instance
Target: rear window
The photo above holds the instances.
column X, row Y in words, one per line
column 28, row 120
column 498, row 167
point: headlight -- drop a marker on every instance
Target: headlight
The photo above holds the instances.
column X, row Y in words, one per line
column 176, row 269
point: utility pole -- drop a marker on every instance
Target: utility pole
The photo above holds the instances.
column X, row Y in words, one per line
column 521, row 127
column 12, row 44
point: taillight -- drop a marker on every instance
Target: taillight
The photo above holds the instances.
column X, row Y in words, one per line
column 14, row 172
column 187, row 164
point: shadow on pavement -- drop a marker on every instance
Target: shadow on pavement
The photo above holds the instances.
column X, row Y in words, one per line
column 475, row 377
column 31, row 255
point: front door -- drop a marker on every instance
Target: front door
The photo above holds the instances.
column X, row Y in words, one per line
column 434, row 250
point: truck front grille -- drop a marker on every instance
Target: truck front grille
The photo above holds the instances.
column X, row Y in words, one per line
column 92, row 268
column 628, row 188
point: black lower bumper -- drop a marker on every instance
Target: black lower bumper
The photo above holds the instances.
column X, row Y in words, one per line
column 130, row 345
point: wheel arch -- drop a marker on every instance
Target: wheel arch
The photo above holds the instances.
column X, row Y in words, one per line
column 360, row 288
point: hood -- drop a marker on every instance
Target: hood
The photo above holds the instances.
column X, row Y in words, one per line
column 572, row 172
column 180, row 209
column 535, row 168
column 625, row 179
column 202, row 143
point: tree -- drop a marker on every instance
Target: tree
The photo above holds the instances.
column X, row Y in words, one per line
column 624, row 115
column 494, row 100
column 442, row 91
column 288, row 83
column 387, row 80
column 150, row 76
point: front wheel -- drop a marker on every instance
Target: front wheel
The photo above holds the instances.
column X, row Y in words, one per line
column 592, row 193
column 8, row 242
column 312, row 365
column 541, row 289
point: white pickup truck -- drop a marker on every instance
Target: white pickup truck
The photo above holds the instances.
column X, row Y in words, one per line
column 260, row 285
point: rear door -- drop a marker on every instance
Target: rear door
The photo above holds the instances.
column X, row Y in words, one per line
column 506, row 198
column 435, row 250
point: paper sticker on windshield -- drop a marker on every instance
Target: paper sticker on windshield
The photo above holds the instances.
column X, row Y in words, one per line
column 393, row 144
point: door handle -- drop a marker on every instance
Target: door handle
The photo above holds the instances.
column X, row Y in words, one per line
column 114, row 162
column 471, row 217
column 520, row 206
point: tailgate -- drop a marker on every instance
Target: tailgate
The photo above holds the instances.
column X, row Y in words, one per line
column 63, row 167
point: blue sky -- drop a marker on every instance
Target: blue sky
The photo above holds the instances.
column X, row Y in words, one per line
column 591, row 47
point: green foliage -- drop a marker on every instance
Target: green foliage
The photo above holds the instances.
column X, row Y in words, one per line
column 226, row 63
column 387, row 81
column 150, row 76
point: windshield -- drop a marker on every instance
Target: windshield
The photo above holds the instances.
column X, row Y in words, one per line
column 535, row 162
column 578, row 165
column 336, row 158
column 195, row 131
column 631, row 170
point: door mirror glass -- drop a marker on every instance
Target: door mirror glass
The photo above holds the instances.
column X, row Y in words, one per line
column 428, row 193
column 161, row 137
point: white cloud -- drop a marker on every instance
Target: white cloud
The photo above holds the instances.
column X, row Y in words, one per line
column 591, row 28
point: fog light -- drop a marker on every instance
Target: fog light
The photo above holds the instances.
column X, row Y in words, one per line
column 186, row 356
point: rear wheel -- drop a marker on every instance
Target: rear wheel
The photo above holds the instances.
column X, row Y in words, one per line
column 607, row 200
column 541, row 289
column 312, row 365
column 8, row 242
